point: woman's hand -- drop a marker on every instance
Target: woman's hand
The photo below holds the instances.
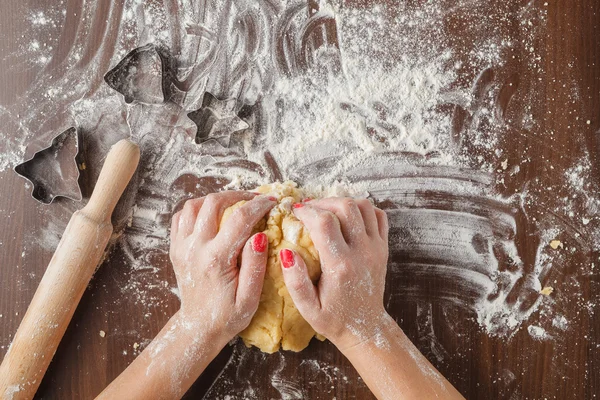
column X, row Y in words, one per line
column 347, row 304
column 214, row 291
column 351, row 237
column 218, row 299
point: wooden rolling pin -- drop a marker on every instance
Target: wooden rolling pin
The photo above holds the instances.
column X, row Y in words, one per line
column 68, row 274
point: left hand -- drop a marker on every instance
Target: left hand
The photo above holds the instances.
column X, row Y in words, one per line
column 215, row 293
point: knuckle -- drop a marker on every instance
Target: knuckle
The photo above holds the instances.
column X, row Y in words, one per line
column 348, row 204
column 298, row 286
column 188, row 204
column 211, row 199
column 343, row 274
column 363, row 203
column 325, row 221
column 244, row 213
column 381, row 214
column 349, row 201
column 222, row 257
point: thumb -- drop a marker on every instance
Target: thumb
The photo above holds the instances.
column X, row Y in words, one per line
column 252, row 272
column 301, row 288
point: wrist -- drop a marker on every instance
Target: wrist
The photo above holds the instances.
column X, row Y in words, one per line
column 378, row 332
column 197, row 330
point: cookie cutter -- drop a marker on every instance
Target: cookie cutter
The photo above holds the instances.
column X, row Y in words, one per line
column 54, row 170
column 144, row 75
column 217, row 119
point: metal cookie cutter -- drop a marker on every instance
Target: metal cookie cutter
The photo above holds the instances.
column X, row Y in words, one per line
column 144, row 75
column 54, row 170
column 217, row 119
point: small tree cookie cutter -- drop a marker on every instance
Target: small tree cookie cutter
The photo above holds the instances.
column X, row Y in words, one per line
column 54, row 170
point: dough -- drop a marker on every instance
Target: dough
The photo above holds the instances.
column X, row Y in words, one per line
column 277, row 323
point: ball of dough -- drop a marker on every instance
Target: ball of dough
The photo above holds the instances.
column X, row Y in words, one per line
column 277, row 323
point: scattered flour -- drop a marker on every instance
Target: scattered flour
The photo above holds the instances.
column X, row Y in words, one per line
column 537, row 332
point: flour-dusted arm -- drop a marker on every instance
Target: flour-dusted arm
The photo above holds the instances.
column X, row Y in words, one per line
column 218, row 299
column 346, row 305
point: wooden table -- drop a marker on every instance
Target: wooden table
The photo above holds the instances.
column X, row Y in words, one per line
column 130, row 305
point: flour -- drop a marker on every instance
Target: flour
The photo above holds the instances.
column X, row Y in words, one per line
column 39, row 18
column 11, row 391
column 352, row 110
column 10, row 159
column 560, row 322
column 537, row 332
column 12, row 148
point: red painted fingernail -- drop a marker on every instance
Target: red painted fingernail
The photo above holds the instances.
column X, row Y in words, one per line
column 298, row 205
column 272, row 198
column 259, row 243
column 287, row 258
column 307, row 199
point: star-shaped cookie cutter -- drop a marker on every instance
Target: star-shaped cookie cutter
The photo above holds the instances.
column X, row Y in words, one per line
column 217, row 119
column 53, row 171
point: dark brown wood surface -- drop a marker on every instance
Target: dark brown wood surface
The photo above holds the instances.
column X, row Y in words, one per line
column 479, row 365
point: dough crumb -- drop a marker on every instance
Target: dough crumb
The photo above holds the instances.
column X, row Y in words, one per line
column 555, row 244
column 547, row 291
column 102, row 333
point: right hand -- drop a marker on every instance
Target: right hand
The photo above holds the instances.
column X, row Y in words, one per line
column 215, row 293
column 351, row 236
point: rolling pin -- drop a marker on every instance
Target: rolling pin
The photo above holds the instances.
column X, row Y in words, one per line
column 68, row 274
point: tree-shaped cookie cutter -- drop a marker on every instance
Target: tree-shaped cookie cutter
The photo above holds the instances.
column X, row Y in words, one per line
column 144, row 75
column 53, row 171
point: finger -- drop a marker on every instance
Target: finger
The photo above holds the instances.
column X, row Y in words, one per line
column 189, row 213
column 348, row 213
column 209, row 217
column 175, row 224
column 383, row 224
column 324, row 229
column 301, row 288
column 174, row 229
column 238, row 228
column 252, row 273
column 367, row 210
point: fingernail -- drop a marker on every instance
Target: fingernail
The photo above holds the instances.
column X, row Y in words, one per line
column 259, row 243
column 298, row 205
column 287, row 258
column 307, row 199
column 272, row 198
column 256, row 193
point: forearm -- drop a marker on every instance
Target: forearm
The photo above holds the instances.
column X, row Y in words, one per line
column 170, row 364
column 393, row 367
